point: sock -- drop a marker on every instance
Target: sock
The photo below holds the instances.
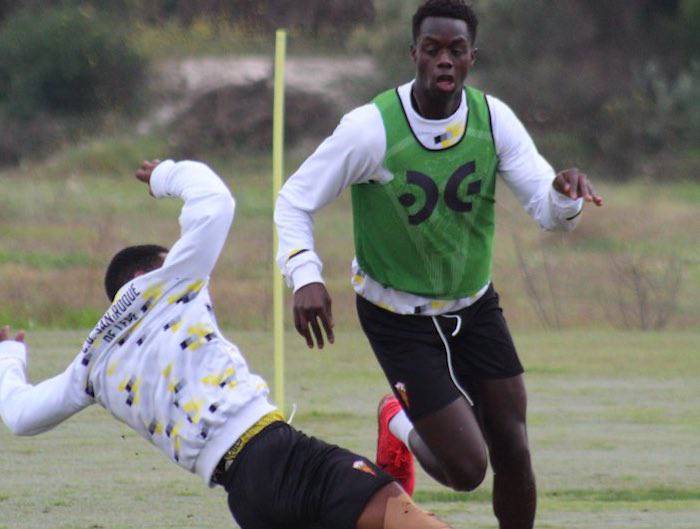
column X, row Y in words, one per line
column 401, row 427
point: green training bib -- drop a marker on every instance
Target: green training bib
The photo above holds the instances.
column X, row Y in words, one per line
column 429, row 231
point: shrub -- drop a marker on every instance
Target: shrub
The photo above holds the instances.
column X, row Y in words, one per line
column 66, row 61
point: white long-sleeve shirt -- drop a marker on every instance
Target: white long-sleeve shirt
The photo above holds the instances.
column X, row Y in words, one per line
column 354, row 154
column 156, row 360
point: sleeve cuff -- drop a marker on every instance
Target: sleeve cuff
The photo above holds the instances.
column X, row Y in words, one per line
column 306, row 274
column 11, row 350
column 565, row 207
column 159, row 178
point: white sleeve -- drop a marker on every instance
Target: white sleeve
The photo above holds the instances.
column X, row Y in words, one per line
column 528, row 174
column 205, row 218
column 31, row 410
column 353, row 154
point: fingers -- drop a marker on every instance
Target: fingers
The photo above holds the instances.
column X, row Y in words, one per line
column 572, row 179
column 317, row 331
column 327, row 321
column 301, row 324
column 312, row 308
column 595, row 198
column 305, row 318
column 144, row 172
column 5, row 334
column 575, row 184
column 587, row 192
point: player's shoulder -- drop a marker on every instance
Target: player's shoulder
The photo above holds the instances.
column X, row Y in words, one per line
column 363, row 116
column 362, row 125
column 500, row 111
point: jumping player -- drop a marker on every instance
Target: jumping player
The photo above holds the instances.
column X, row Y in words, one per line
column 158, row 362
column 421, row 161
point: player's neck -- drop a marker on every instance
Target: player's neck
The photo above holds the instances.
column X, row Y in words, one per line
column 431, row 107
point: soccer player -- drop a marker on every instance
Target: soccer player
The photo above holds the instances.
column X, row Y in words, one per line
column 421, row 161
column 158, row 362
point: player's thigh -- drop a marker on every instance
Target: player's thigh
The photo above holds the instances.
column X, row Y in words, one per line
column 262, row 492
column 454, row 437
column 345, row 485
column 412, row 357
column 287, row 479
column 503, row 404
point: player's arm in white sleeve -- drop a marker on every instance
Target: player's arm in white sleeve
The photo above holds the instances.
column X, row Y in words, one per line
column 30, row 410
column 353, row 154
column 205, row 219
column 528, row 174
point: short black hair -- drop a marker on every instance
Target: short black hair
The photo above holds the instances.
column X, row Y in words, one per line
column 127, row 262
column 446, row 8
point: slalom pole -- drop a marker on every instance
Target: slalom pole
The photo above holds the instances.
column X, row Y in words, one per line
column 277, row 170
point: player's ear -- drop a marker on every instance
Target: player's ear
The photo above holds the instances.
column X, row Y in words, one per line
column 474, row 55
column 412, row 52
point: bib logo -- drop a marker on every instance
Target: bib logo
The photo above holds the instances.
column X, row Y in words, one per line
column 432, row 193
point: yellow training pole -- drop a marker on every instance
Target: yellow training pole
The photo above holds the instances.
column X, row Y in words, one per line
column 277, row 170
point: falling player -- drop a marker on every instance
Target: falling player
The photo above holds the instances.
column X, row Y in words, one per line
column 158, row 362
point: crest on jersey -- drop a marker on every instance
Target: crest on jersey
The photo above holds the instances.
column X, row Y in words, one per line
column 401, row 389
column 363, row 467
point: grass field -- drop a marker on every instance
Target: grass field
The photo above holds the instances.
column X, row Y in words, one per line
column 614, row 415
column 614, row 427
column 62, row 220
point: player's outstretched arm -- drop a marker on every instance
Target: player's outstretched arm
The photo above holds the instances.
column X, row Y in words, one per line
column 30, row 410
column 206, row 215
column 554, row 201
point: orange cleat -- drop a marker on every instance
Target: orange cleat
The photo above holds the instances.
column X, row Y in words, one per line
column 393, row 457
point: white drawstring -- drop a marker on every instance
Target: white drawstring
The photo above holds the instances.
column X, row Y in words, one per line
column 459, row 323
column 291, row 415
column 449, row 356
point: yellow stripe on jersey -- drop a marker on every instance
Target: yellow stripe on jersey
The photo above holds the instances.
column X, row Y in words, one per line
column 112, row 369
column 186, row 295
column 222, row 379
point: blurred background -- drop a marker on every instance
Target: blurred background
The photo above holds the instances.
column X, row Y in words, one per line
column 90, row 88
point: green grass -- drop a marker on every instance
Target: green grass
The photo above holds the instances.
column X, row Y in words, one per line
column 614, row 429
column 62, row 220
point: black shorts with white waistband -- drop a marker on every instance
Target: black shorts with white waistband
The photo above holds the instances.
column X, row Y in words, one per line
column 430, row 361
column 283, row 479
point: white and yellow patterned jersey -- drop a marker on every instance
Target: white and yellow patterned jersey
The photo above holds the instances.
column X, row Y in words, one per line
column 157, row 360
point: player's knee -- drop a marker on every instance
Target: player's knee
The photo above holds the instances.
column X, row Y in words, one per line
column 468, row 474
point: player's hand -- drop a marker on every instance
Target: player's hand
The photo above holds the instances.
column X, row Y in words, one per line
column 311, row 304
column 575, row 184
column 5, row 335
column 143, row 173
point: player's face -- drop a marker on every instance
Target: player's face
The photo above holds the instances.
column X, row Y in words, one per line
column 443, row 55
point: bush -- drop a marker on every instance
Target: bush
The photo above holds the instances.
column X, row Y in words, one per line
column 67, row 61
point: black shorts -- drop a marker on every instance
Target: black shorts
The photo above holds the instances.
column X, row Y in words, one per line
column 431, row 361
column 285, row 479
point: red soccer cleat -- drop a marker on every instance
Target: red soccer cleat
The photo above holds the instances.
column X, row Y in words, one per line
column 393, row 457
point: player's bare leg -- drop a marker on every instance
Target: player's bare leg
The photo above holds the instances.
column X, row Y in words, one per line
column 450, row 446
column 503, row 405
column 392, row 508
